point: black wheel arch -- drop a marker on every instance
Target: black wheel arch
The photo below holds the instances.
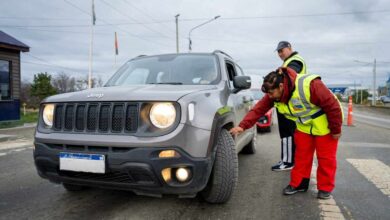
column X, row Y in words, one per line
column 224, row 121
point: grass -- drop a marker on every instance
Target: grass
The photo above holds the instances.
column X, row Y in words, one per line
column 30, row 117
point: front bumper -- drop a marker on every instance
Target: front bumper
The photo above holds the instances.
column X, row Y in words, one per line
column 137, row 169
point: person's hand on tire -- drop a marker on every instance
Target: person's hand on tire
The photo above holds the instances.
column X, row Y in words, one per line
column 236, row 130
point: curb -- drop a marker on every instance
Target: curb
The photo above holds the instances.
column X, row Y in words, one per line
column 25, row 126
column 6, row 137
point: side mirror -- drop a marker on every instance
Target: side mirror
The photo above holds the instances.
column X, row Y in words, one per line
column 241, row 83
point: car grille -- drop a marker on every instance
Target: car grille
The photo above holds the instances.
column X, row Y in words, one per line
column 96, row 117
column 134, row 176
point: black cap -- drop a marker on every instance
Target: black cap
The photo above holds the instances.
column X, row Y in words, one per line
column 283, row 44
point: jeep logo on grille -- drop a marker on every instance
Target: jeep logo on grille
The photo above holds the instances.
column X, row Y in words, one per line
column 95, row 95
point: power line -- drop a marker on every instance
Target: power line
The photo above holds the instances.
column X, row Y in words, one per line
column 211, row 39
column 147, row 15
column 47, row 63
column 308, row 15
column 113, row 25
column 44, row 64
column 60, row 31
column 50, row 18
column 123, row 14
column 191, row 19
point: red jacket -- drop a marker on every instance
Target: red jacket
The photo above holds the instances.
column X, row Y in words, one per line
column 320, row 96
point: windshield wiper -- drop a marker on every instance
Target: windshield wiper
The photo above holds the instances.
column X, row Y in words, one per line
column 170, row 83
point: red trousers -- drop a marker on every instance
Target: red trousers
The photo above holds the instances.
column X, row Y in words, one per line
column 325, row 147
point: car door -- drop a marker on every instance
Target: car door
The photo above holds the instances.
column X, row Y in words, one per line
column 241, row 102
column 247, row 96
column 247, row 100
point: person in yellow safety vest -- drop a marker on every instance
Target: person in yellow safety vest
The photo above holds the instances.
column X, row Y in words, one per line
column 306, row 100
column 294, row 61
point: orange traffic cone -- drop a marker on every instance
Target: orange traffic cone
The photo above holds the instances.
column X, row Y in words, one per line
column 350, row 113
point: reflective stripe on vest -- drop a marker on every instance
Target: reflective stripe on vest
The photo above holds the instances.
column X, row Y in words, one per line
column 298, row 58
column 302, row 95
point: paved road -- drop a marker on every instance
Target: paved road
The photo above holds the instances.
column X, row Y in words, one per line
column 362, row 189
column 379, row 117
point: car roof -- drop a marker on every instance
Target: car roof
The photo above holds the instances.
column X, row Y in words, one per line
column 180, row 54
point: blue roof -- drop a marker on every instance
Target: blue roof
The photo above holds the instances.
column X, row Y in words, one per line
column 7, row 40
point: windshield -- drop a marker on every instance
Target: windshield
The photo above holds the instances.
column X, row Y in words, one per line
column 186, row 69
column 257, row 94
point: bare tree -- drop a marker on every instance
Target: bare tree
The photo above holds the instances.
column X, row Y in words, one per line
column 64, row 83
column 82, row 83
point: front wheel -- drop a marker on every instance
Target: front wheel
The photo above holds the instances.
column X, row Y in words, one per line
column 224, row 175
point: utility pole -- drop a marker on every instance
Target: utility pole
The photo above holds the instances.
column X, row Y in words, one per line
column 177, row 32
column 91, row 46
column 374, row 89
column 356, row 92
column 373, row 102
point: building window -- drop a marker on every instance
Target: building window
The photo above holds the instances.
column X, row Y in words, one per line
column 5, row 80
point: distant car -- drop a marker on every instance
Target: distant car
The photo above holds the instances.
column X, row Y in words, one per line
column 265, row 122
column 376, row 98
column 385, row 99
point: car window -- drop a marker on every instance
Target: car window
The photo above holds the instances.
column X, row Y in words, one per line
column 168, row 69
column 137, row 76
column 239, row 71
column 231, row 72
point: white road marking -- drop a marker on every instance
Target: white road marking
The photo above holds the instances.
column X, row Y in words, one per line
column 363, row 144
column 328, row 208
column 9, row 147
column 15, row 144
column 375, row 171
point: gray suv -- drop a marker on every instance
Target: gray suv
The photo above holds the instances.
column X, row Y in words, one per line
column 159, row 126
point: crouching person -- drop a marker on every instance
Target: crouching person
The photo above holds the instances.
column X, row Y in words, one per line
column 318, row 116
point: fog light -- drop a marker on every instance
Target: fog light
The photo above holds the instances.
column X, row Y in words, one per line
column 168, row 154
column 166, row 174
column 182, row 174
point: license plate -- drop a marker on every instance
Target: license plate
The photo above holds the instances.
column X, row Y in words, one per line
column 91, row 163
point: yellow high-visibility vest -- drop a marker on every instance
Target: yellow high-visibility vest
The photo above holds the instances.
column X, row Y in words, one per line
column 309, row 118
column 299, row 58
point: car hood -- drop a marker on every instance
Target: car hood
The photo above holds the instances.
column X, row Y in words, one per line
column 131, row 93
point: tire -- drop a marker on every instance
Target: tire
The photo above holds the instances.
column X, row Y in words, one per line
column 224, row 176
column 250, row 148
column 73, row 188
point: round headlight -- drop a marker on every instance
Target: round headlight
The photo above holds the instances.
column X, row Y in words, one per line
column 162, row 115
column 48, row 112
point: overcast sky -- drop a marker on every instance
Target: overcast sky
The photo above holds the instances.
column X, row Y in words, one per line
column 329, row 34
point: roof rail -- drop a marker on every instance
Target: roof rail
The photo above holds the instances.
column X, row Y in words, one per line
column 220, row 51
column 139, row 56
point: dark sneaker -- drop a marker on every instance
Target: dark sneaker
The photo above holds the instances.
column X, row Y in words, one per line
column 281, row 166
column 324, row 194
column 276, row 165
column 290, row 190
